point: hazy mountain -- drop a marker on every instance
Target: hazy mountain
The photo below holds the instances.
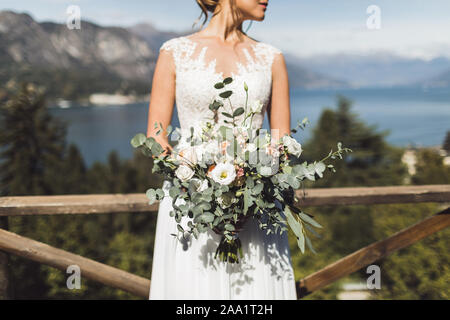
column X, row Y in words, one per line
column 442, row 80
column 76, row 63
column 378, row 69
column 47, row 44
column 152, row 36
column 300, row 77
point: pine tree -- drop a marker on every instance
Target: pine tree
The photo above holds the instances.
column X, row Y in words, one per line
column 373, row 161
column 74, row 173
column 430, row 168
column 31, row 144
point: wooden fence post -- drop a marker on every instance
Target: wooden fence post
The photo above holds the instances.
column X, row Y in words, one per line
column 5, row 285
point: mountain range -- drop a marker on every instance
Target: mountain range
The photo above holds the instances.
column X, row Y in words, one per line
column 380, row 69
column 73, row 64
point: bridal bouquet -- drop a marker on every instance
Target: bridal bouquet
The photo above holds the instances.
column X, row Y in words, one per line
column 223, row 175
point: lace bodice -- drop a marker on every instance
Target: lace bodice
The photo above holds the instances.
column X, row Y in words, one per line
column 195, row 79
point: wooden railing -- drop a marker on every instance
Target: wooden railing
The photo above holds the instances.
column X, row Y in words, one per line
column 113, row 203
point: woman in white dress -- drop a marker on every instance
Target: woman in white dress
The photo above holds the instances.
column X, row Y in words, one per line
column 186, row 71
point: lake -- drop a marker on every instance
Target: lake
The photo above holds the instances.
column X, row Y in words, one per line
column 414, row 116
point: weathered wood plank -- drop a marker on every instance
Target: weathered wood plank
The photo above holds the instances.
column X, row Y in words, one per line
column 375, row 195
column 75, row 204
column 60, row 259
column 373, row 252
column 138, row 202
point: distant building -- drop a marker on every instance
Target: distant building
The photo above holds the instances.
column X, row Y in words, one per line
column 110, row 99
column 354, row 291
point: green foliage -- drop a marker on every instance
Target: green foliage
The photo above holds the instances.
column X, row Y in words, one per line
column 75, row 84
column 430, row 168
column 420, row 271
column 373, row 161
column 446, row 145
column 32, row 144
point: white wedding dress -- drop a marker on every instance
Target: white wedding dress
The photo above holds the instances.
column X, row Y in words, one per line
column 185, row 268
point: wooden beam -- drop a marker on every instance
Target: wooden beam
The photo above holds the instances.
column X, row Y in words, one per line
column 75, row 204
column 374, row 195
column 5, row 278
column 138, row 202
column 372, row 253
column 60, row 259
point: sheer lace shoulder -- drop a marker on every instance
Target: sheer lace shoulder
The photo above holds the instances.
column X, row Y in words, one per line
column 171, row 44
column 180, row 48
column 267, row 51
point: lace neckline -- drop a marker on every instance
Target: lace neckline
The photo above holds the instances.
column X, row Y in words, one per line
column 241, row 68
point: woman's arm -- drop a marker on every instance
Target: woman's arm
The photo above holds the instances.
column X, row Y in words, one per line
column 279, row 110
column 162, row 98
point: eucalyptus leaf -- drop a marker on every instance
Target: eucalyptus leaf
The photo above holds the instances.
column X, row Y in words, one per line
column 226, row 114
column 228, row 80
column 151, row 195
column 301, row 243
column 293, row 223
column 219, row 85
column 226, row 94
column 238, row 112
column 138, row 140
column 229, row 227
column 208, row 217
column 309, row 244
column 309, row 220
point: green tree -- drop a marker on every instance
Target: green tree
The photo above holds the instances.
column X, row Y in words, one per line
column 430, row 168
column 373, row 161
column 32, row 142
column 446, row 145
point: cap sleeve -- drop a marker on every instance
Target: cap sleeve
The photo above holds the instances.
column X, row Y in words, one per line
column 169, row 45
column 268, row 53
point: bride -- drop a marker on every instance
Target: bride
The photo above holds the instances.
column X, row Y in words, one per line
column 186, row 71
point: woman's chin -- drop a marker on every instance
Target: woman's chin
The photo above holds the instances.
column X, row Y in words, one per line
column 259, row 17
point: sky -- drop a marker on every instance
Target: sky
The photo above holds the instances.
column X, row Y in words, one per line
column 410, row 28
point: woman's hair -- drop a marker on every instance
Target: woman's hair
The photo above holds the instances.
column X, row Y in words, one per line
column 208, row 6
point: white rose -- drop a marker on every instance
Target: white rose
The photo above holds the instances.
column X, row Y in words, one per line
column 292, row 145
column 212, row 147
column 188, row 156
column 184, row 173
column 256, row 107
column 224, row 173
column 201, row 185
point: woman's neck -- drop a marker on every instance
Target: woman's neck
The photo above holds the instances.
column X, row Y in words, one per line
column 223, row 27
